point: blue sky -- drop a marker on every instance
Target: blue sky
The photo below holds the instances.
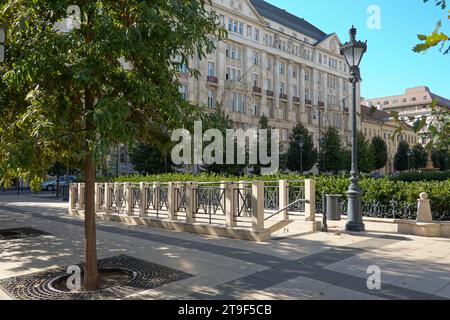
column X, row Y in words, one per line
column 389, row 66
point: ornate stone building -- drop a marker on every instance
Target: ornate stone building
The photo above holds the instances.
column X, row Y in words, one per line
column 276, row 64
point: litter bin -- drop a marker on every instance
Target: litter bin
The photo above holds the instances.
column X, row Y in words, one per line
column 333, row 206
column 65, row 192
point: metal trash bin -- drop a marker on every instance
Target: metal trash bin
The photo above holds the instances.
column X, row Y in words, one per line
column 65, row 192
column 333, row 207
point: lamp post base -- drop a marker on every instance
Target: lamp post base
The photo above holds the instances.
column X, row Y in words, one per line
column 355, row 227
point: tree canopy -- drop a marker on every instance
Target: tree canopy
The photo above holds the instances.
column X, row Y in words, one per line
column 297, row 159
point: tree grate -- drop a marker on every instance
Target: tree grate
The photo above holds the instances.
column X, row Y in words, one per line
column 143, row 276
column 20, row 233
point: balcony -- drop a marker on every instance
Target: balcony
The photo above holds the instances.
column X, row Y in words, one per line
column 283, row 96
column 296, row 99
column 307, row 101
column 346, row 110
column 213, row 80
column 269, row 93
column 257, row 90
column 321, row 104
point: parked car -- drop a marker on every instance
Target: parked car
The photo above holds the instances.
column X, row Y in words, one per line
column 50, row 185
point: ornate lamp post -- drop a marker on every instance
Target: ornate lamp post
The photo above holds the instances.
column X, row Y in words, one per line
column 2, row 43
column 353, row 52
column 301, row 144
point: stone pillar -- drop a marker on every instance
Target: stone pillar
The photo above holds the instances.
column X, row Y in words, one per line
column 72, row 189
column 263, row 78
column 190, row 203
column 143, row 200
column 284, row 198
column 81, row 192
column 230, row 204
column 315, row 87
column 289, row 84
column 97, row 196
column 301, row 88
column 171, row 199
column 108, row 198
column 310, row 197
column 258, row 205
column 220, row 71
column 424, row 214
column 276, row 86
column 128, row 189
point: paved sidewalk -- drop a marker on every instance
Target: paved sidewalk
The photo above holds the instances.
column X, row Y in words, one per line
column 314, row 266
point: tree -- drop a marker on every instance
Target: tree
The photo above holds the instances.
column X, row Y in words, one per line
column 331, row 156
column 401, row 157
column 66, row 94
column 364, row 157
column 57, row 169
column 419, row 157
column 297, row 159
column 437, row 37
column 148, row 159
column 379, row 153
column 441, row 159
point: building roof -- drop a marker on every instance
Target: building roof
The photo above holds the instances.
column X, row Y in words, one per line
column 374, row 114
column 287, row 19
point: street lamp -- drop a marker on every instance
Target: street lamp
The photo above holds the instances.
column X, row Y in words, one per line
column 2, row 43
column 409, row 154
column 301, row 144
column 353, row 52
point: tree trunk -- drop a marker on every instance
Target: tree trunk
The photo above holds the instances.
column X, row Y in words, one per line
column 90, row 271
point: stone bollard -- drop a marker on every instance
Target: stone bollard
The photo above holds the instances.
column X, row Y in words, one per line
column 424, row 209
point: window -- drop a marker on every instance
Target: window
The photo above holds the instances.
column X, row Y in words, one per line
column 320, row 58
column 413, row 99
column 295, row 90
column 282, row 88
column 294, row 72
column 325, row 59
column 211, row 69
column 307, row 77
column 184, row 91
column 282, row 68
column 241, row 28
column 123, row 153
column 269, row 64
column 269, row 84
column 238, row 54
column 256, row 34
column 256, row 58
column 249, row 31
column 211, row 99
column 256, row 80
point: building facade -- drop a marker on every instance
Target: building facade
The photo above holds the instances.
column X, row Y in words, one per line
column 275, row 64
column 379, row 123
column 411, row 106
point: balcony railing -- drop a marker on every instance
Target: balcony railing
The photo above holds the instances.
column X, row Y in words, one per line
column 283, row 96
column 321, row 104
column 296, row 99
column 307, row 101
column 257, row 90
column 269, row 93
column 212, row 79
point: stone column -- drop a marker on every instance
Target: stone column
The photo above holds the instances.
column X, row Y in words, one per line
column 81, row 191
column 220, row 70
column 310, row 197
column 230, row 204
column 128, row 189
column 190, row 203
column 276, row 86
column 284, row 198
column 171, row 199
column 315, row 87
column 72, row 190
column 424, row 214
column 263, row 78
column 143, row 200
column 258, row 205
column 97, row 196
column 108, row 198
column 290, row 83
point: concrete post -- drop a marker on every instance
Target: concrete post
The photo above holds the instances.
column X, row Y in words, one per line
column 72, row 190
column 258, row 205
column 424, row 214
column 81, row 191
column 230, row 204
column 284, row 198
column 128, row 189
column 310, row 196
column 97, row 196
column 171, row 200
column 143, row 200
column 190, row 195
column 108, row 187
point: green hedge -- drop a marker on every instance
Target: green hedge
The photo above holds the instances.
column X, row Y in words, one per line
column 382, row 190
column 422, row 176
